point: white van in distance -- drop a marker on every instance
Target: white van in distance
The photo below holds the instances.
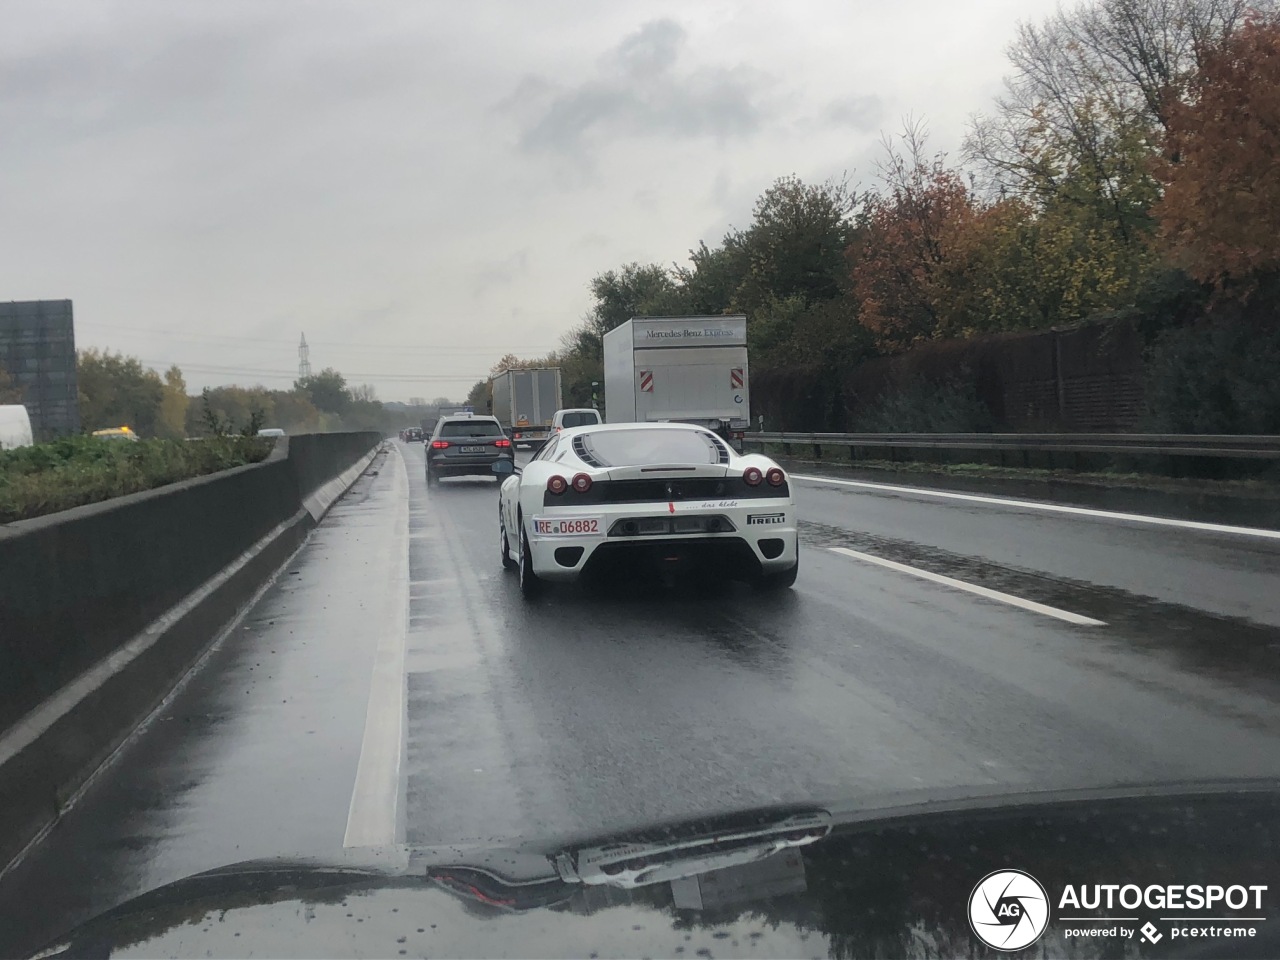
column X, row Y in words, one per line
column 15, row 426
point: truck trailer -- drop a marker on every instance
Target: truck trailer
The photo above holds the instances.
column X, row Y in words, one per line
column 525, row 402
column 683, row 369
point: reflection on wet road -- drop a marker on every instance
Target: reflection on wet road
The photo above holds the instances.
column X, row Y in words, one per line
column 596, row 710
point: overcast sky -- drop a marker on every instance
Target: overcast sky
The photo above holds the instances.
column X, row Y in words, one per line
column 422, row 187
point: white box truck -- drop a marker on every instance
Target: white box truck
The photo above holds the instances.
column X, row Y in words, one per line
column 525, row 402
column 688, row 369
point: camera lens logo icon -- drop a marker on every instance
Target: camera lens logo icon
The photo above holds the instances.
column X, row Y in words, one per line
column 1008, row 910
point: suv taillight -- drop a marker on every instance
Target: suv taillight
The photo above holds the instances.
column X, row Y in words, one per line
column 502, row 443
column 439, row 444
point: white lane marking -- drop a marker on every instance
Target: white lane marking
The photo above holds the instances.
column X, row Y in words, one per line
column 1008, row 598
column 1051, row 507
column 372, row 818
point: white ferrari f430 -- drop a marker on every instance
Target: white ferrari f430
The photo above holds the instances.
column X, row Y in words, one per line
column 644, row 498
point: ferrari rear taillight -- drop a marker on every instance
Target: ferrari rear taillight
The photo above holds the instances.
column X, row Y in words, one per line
column 775, row 476
column 752, row 476
column 557, row 484
column 581, row 483
column 439, row 444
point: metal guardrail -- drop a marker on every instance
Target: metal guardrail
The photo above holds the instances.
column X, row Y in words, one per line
column 1251, row 447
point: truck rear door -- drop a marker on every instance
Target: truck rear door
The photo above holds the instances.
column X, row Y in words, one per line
column 690, row 383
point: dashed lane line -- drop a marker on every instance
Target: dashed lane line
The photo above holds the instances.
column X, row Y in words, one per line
column 1041, row 608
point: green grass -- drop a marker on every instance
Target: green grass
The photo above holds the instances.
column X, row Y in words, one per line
column 73, row 471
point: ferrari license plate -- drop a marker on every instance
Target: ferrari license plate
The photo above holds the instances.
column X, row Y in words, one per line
column 567, row 526
column 473, row 449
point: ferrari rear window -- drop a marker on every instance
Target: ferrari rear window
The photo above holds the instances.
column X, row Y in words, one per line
column 630, row 448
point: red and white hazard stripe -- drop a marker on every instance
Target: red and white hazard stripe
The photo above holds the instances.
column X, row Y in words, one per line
column 646, row 381
column 735, row 377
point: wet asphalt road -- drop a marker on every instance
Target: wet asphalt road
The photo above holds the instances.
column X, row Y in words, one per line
column 593, row 711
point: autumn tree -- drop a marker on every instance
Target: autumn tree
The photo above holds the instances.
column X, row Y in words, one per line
column 900, row 257
column 1086, row 107
column 293, row 412
column 232, row 406
column 116, row 390
column 1010, row 266
column 707, row 285
column 478, row 396
column 1220, row 214
column 365, row 410
column 172, row 421
column 794, row 247
column 327, row 391
column 511, row 362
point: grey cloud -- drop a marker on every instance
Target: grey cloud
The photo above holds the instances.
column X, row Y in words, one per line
column 720, row 188
column 646, row 198
column 652, row 49
column 501, row 273
column 531, row 92
column 861, row 113
column 652, row 97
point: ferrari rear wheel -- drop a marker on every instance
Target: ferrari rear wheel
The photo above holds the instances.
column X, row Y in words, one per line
column 530, row 584
column 504, row 544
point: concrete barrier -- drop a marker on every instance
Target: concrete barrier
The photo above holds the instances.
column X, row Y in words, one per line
column 104, row 607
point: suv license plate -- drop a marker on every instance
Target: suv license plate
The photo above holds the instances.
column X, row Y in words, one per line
column 474, row 449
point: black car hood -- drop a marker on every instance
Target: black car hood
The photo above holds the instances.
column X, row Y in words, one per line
column 891, row 878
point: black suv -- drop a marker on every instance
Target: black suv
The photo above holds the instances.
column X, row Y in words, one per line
column 466, row 446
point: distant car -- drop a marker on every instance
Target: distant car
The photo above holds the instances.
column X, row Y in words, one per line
column 671, row 498
column 467, row 445
column 271, row 432
column 116, row 433
column 15, row 426
column 413, row 435
column 574, row 417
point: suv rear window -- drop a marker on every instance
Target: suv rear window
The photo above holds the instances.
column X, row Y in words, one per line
column 579, row 419
column 471, row 428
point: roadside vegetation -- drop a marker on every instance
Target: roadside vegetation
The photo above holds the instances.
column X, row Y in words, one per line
column 1126, row 174
column 118, row 390
column 73, row 471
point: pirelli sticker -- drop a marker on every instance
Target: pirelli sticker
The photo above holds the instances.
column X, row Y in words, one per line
column 765, row 519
